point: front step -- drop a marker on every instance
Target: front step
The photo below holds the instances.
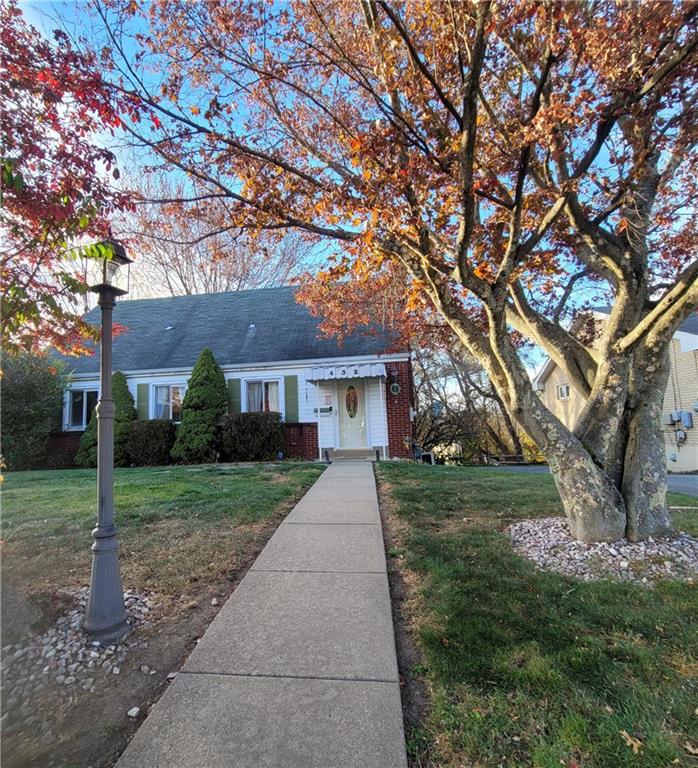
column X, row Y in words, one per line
column 352, row 453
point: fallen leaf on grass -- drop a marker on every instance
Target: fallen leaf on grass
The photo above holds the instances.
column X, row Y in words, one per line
column 632, row 742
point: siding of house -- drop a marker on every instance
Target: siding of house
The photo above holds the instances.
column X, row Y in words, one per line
column 300, row 399
column 566, row 410
column 324, row 392
column 377, row 405
column 680, row 395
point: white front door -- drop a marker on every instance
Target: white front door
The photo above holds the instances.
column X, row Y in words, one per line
column 352, row 413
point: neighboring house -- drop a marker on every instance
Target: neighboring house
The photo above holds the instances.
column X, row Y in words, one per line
column 680, row 412
column 355, row 396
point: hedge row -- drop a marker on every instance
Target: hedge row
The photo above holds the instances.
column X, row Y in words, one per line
column 251, row 437
column 243, row 437
column 150, row 442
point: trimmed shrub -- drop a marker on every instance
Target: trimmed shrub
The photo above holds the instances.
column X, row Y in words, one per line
column 252, row 436
column 32, row 398
column 125, row 415
column 205, row 402
column 150, row 442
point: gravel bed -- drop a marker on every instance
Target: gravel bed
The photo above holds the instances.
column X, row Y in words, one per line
column 63, row 661
column 548, row 543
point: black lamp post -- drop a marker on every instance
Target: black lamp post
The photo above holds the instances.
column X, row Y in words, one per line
column 108, row 276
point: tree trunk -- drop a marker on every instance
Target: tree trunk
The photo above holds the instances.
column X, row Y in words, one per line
column 601, row 502
column 516, row 447
column 615, row 487
column 604, row 503
column 593, row 503
column 601, row 505
column 644, row 469
column 594, row 507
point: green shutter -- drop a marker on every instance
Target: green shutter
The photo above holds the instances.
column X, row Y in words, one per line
column 291, row 398
column 142, row 409
column 234, row 399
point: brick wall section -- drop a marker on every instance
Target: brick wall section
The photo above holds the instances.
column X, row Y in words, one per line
column 301, row 441
column 400, row 427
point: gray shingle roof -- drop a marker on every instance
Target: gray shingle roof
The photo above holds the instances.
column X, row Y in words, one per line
column 241, row 327
column 689, row 325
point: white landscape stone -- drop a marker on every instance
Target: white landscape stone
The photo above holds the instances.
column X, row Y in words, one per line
column 548, row 543
column 63, row 658
column 134, row 712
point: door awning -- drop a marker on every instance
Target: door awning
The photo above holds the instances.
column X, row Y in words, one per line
column 353, row 371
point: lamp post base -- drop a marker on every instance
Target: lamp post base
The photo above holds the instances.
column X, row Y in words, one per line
column 110, row 635
column 106, row 613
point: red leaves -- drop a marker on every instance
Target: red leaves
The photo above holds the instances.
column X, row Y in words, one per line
column 51, row 102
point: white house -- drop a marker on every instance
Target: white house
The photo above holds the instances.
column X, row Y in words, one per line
column 354, row 396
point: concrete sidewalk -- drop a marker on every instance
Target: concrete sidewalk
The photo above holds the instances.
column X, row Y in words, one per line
column 298, row 670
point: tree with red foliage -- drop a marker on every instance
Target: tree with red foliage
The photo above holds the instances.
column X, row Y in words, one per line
column 482, row 161
column 55, row 181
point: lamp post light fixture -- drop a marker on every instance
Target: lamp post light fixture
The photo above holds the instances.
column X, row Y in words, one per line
column 107, row 273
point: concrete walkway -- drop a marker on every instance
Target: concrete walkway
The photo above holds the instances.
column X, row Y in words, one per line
column 298, row 670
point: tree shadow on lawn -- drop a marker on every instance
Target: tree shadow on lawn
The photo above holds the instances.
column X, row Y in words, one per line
column 528, row 667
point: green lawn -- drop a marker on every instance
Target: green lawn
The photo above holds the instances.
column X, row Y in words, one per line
column 527, row 668
column 178, row 526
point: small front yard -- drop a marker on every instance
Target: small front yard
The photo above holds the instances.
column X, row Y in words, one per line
column 187, row 533
column 523, row 667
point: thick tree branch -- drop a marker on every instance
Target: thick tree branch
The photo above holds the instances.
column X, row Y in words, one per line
column 468, row 136
column 669, row 312
column 569, row 353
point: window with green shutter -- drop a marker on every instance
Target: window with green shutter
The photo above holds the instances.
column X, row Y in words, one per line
column 291, row 398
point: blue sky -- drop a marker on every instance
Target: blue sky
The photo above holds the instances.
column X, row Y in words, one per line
column 76, row 19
